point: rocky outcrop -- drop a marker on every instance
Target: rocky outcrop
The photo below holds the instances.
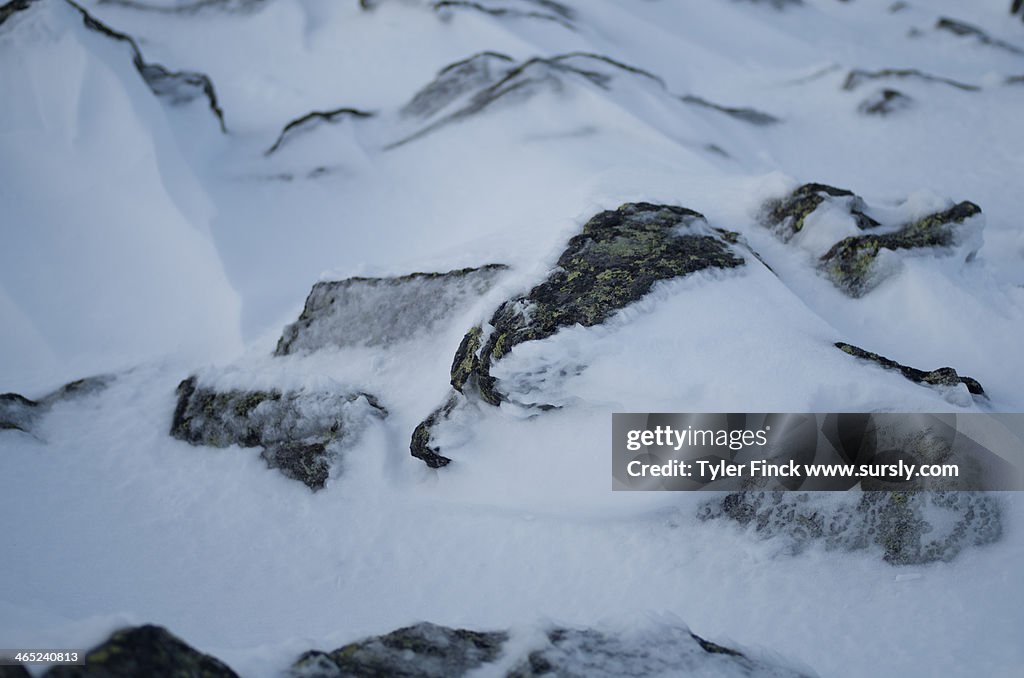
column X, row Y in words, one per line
column 383, row 311
column 544, row 10
column 175, row 87
column 614, row 262
column 430, row 651
column 943, row 377
column 144, row 651
column 858, row 77
column 852, row 263
column 9, row 8
column 456, row 80
column 188, row 7
column 885, row 102
column 311, row 120
column 23, row 414
column 966, row 30
column 302, row 433
column 750, row 115
column 906, row 528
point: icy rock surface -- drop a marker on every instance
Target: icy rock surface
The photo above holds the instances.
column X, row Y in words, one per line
column 301, row 432
column 383, row 311
column 908, row 528
column 20, row 413
column 943, row 377
column 144, row 651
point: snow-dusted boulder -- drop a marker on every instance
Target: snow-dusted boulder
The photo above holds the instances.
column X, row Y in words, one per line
column 301, row 432
column 23, row 414
column 907, row 528
column 383, row 311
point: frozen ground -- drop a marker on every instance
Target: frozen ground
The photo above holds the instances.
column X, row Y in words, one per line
column 140, row 240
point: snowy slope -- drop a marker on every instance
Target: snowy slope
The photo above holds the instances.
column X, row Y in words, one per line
column 142, row 240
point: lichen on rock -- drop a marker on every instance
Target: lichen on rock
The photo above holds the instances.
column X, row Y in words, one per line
column 945, row 377
column 301, row 432
column 787, row 216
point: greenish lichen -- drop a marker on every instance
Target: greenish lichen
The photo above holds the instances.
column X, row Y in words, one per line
column 466, row 360
column 788, row 216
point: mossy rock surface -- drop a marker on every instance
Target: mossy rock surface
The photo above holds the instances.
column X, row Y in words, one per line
column 788, row 216
column 145, row 651
column 301, row 432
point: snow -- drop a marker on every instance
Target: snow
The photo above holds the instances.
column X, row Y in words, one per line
column 139, row 240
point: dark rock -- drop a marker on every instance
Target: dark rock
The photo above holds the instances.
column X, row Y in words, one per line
column 420, row 651
column 189, row 7
column 546, row 10
column 9, row 8
column 850, row 262
column 675, row 651
column 22, row 414
column 144, row 651
column 777, row 4
column 383, row 311
column 1015, row 80
column 177, row 87
column 475, row 84
column 614, row 262
column 787, row 217
column 301, row 432
column 858, row 77
column 944, row 376
column 751, row 115
column 908, row 528
column 311, row 120
column 885, row 102
column 962, row 29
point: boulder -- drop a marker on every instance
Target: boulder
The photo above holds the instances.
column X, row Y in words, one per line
column 786, row 217
column 885, row 102
column 302, row 433
column 383, row 311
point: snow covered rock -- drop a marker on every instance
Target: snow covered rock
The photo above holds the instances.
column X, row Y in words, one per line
column 614, row 262
column 301, row 432
column 909, row 528
column 943, row 377
column 885, row 102
column 788, row 216
column 383, row 311
column 544, row 10
column 22, row 414
column 421, row 651
column 144, row 651
column 311, row 120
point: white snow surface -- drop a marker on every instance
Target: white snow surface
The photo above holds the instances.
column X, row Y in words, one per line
column 137, row 239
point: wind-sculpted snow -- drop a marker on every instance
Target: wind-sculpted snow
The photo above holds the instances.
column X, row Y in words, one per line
column 544, row 10
column 309, row 122
column 383, row 311
column 963, row 29
column 23, row 414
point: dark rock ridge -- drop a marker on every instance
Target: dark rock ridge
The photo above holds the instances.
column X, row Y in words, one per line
column 850, row 263
column 963, row 29
column 942, row 377
column 383, row 311
column 614, row 262
column 751, row 115
column 313, row 119
column 430, row 651
column 885, row 102
column 188, row 7
column 144, row 651
column 177, row 87
column 22, row 414
column 908, row 528
column 301, row 432
column 545, row 10
column 858, row 77
column 7, row 9
column 455, row 80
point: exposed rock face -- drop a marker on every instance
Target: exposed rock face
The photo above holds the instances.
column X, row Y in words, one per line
column 9, row 8
column 144, row 651
column 614, row 262
column 22, row 414
column 456, row 80
column 942, row 377
column 963, row 29
column 909, row 528
column 301, row 433
column 850, row 262
column 383, row 311
column 420, row 651
column 853, row 263
column 430, row 651
column 545, row 10
column 751, row 115
column 858, row 77
column 176, row 87
column 885, row 102
column 311, row 120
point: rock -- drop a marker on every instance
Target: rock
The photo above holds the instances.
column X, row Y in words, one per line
column 751, row 115
column 858, row 77
column 383, row 311
column 311, row 120
column 546, row 10
column 943, row 377
column 177, row 7
column 908, row 528
column 455, row 81
column 962, row 29
column 7, row 9
column 786, row 217
column 614, row 262
column 144, row 651
column 22, row 414
column 885, row 102
column 666, row 651
column 301, row 432
column 851, row 263
column 176, row 87
column 420, row 651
